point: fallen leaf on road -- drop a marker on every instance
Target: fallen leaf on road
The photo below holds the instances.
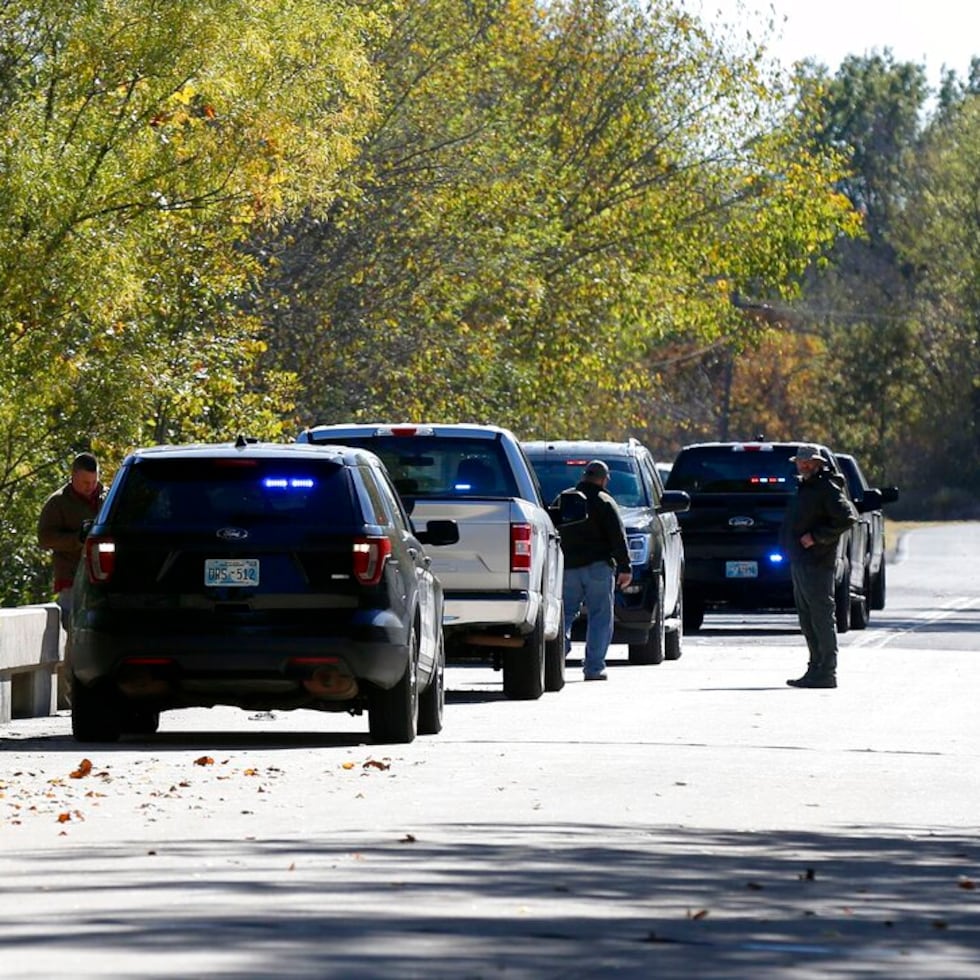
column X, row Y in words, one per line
column 250, row 772
column 408, row 839
column 64, row 817
column 966, row 883
column 753, row 886
column 808, row 875
column 347, row 765
column 700, row 914
column 84, row 768
column 376, row 764
column 205, row 760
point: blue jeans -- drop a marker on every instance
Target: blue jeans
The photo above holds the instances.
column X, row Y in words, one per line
column 594, row 585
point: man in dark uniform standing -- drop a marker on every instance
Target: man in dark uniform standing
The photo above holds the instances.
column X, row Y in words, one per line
column 597, row 560
column 815, row 519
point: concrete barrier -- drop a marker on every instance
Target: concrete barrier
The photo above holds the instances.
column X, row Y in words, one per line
column 32, row 650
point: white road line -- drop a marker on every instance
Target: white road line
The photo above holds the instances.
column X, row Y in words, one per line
column 876, row 639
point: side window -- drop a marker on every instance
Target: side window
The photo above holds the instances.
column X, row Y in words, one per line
column 373, row 501
column 651, row 478
column 394, row 508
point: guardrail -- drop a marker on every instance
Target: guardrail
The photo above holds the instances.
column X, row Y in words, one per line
column 32, row 649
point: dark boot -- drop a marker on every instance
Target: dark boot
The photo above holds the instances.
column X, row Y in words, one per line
column 811, row 672
column 825, row 679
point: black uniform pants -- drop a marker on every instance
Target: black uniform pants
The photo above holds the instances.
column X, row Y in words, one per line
column 813, row 592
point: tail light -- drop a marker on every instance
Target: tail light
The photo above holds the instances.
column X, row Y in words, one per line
column 100, row 559
column 370, row 555
column 520, row 547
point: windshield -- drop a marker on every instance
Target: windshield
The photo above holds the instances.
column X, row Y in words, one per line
column 557, row 473
column 186, row 492
column 438, row 466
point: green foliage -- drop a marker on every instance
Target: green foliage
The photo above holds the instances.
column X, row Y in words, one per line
column 546, row 198
column 141, row 143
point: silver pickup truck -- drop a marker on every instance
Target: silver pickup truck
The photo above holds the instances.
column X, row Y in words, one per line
column 503, row 580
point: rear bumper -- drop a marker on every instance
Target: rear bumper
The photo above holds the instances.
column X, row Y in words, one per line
column 706, row 580
column 241, row 666
column 517, row 610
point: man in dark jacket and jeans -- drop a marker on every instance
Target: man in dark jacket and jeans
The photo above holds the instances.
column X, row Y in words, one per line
column 597, row 560
column 815, row 519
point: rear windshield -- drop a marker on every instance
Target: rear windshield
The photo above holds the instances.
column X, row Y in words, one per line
column 437, row 466
column 557, row 473
column 159, row 492
column 726, row 470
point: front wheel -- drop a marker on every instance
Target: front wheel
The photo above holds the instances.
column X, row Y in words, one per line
column 651, row 651
column 842, row 603
column 878, row 588
column 554, row 658
column 693, row 612
column 674, row 640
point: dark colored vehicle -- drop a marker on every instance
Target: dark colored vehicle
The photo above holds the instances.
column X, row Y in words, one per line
column 874, row 522
column 260, row 576
column 739, row 492
column 648, row 612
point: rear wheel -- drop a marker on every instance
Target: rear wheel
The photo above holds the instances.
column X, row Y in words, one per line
column 393, row 714
column 651, row 651
column 554, row 658
column 432, row 700
column 95, row 715
column 524, row 667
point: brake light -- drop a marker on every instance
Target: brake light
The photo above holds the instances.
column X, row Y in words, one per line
column 405, row 430
column 370, row 555
column 520, row 547
column 100, row 558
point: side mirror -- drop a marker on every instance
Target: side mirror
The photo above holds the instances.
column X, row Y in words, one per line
column 571, row 508
column 439, row 533
column 674, row 502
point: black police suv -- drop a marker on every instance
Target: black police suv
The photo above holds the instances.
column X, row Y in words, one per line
column 256, row 575
column 739, row 492
column 648, row 612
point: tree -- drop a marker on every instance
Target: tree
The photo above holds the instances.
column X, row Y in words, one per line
column 544, row 197
column 142, row 142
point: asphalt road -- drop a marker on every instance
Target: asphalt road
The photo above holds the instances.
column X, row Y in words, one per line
column 695, row 819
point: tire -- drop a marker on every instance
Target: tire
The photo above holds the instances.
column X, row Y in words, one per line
column 143, row 723
column 393, row 714
column 524, row 668
column 651, row 651
column 432, row 700
column 674, row 640
column 878, row 588
column 95, row 717
column 842, row 603
column 693, row 613
column 554, row 658
column 859, row 609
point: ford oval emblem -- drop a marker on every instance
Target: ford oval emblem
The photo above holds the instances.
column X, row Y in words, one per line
column 740, row 522
column 232, row 533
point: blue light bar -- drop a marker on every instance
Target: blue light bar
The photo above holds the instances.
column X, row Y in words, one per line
column 292, row 483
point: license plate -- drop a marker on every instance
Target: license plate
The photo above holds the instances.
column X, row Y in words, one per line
column 741, row 569
column 231, row 571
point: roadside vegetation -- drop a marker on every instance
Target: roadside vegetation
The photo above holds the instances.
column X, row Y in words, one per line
column 580, row 219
